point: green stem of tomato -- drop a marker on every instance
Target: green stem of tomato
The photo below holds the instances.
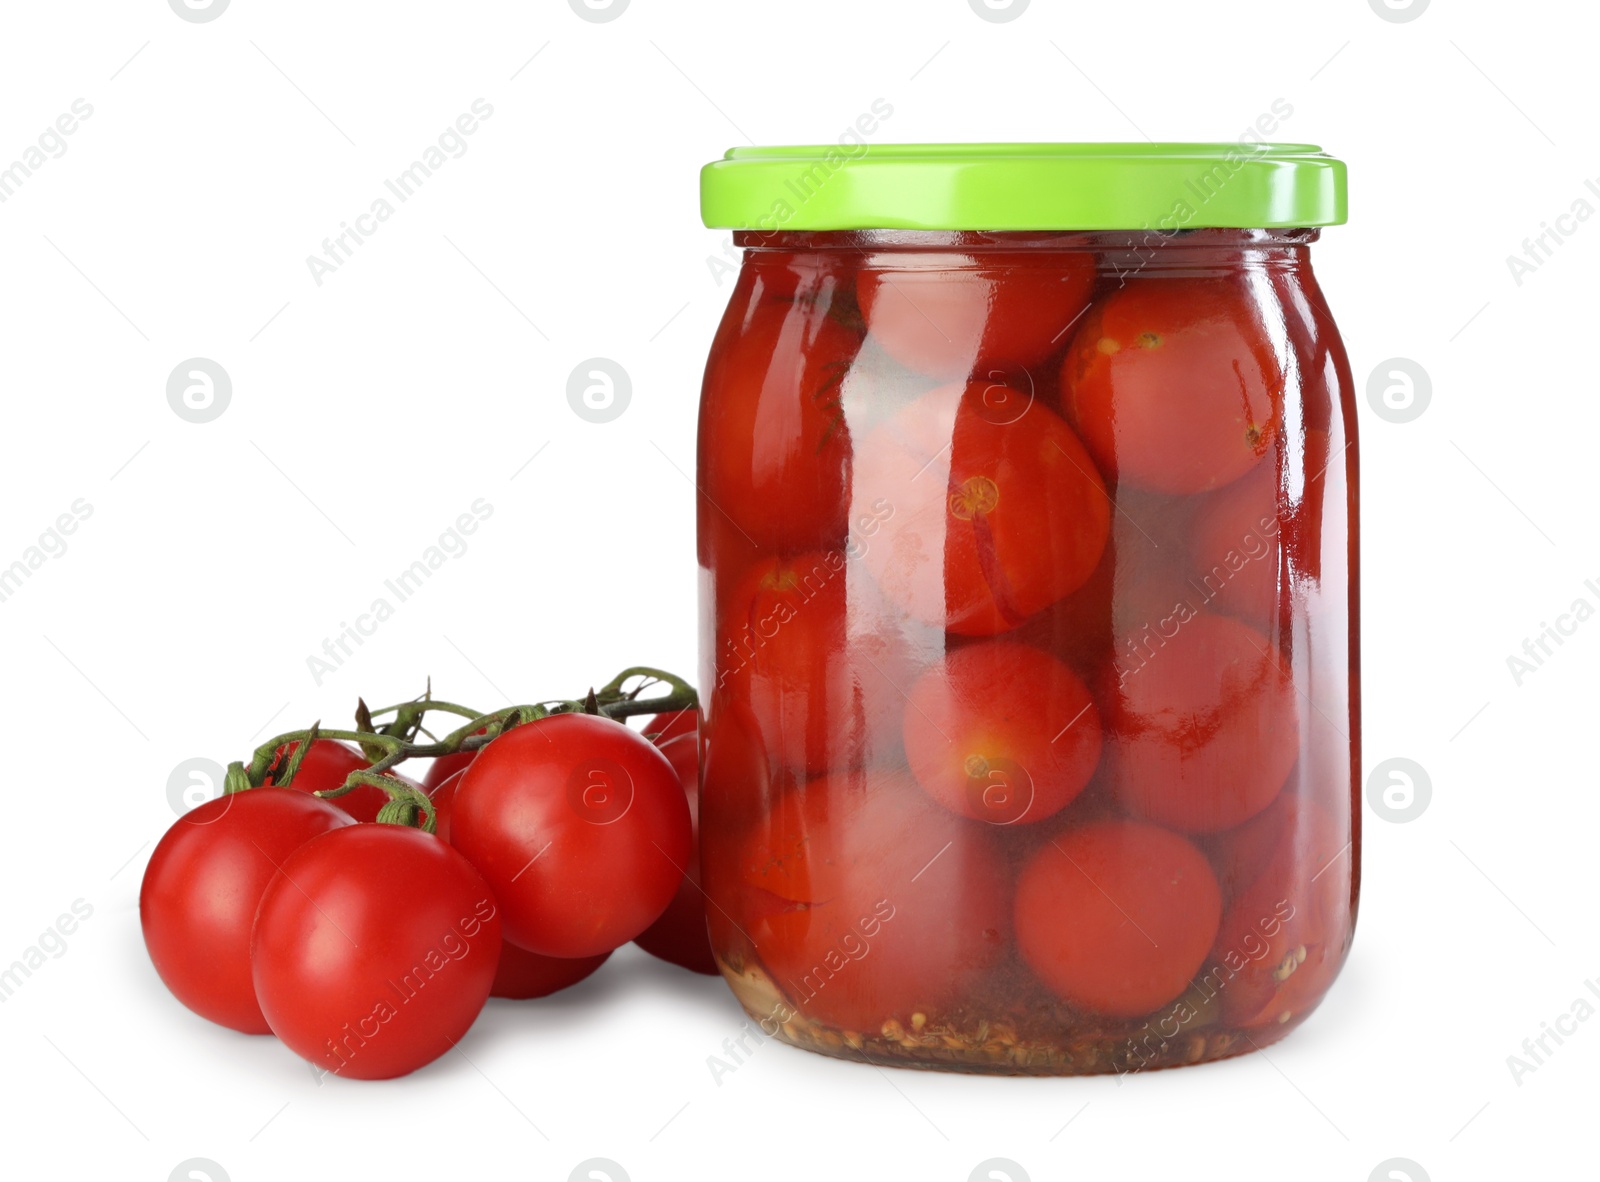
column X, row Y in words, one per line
column 264, row 755
column 407, row 805
column 618, row 703
column 417, row 707
column 394, row 743
column 408, row 718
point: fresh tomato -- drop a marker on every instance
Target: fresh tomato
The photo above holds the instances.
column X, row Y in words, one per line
column 374, row 950
column 864, row 900
column 1173, row 383
column 992, row 508
column 580, row 826
column 1002, row 732
column 200, row 891
column 445, row 767
column 739, row 784
column 959, row 316
column 774, row 448
column 1116, row 916
column 663, row 728
column 442, row 767
column 443, row 797
column 325, row 767
column 521, row 974
column 1286, row 926
column 1202, row 724
column 679, row 936
column 816, row 665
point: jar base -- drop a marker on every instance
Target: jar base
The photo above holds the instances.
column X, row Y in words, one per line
column 991, row 1047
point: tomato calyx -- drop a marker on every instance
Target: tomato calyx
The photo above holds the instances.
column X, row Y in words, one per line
column 408, row 805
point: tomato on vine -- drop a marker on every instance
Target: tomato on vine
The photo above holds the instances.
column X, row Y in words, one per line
column 443, row 767
column 372, row 954
column 325, row 766
column 202, row 886
column 679, row 935
column 520, row 974
column 581, row 828
column 374, row 950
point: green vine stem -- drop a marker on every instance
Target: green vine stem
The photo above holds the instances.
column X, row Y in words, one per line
column 407, row 805
column 388, row 745
column 615, row 702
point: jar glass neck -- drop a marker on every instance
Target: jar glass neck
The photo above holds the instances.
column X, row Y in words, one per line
column 1123, row 251
column 1011, row 239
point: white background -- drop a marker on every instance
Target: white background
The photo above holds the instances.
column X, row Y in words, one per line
column 431, row 370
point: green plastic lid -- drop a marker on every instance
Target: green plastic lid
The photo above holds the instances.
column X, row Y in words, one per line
column 1023, row 187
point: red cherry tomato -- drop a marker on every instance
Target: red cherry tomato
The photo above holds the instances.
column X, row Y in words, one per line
column 521, row 974
column 445, row 766
column 1116, row 916
column 1138, row 583
column 739, row 784
column 679, row 936
column 1236, row 550
column 374, row 950
column 201, row 888
column 959, row 316
column 665, row 727
column 992, row 508
column 1002, row 732
column 1173, row 383
column 817, row 666
column 443, row 797
column 325, row 767
column 774, row 448
column 1239, row 855
column 1202, row 726
column 580, row 826
column 865, row 901
column 1286, row 927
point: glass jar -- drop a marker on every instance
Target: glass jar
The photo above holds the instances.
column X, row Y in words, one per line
column 1029, row 638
